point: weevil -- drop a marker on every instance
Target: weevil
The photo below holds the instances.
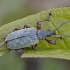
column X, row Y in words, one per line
column 19, row 39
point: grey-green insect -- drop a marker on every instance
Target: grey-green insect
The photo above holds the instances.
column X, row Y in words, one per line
column 19, row 39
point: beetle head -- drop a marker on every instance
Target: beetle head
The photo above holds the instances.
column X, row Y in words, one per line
column 49, row 33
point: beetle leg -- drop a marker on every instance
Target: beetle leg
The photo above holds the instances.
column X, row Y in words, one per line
column 26, row 26
column 34, row 47
column 9, row 50
column 20, row 50
column 16, row 29
column 38, row 23
column 54, row 41
column 51, row 41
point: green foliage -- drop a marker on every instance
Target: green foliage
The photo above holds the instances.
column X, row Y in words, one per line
column 60, row 50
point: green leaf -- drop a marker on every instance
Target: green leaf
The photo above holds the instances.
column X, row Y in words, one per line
column 62, row 47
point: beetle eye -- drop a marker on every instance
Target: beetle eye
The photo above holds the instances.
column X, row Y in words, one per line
column 48, row 30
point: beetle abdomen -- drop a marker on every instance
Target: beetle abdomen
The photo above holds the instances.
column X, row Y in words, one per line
column 22, row 38
column 22, row 42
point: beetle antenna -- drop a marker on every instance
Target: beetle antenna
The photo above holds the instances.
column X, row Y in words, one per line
column 62, row 24
column 1, row 44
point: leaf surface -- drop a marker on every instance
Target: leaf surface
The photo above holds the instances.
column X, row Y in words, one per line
column 62, row 47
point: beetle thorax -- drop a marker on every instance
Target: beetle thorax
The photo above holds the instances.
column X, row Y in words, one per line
column 41, row 34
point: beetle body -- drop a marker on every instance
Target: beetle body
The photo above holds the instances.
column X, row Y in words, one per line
column 26, row 37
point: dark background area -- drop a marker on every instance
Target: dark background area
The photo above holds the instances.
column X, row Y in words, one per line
column 11, row 10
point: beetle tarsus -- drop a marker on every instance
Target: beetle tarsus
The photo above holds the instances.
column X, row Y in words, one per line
column 8, row 50
column 3, row 38
column 26, row 26
column 34, row 47
column 16, row 29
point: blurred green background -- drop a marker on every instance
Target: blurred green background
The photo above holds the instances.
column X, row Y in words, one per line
column 11, row 10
